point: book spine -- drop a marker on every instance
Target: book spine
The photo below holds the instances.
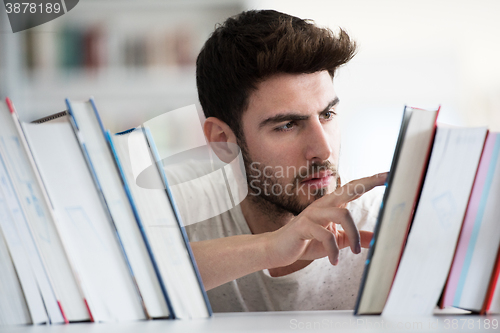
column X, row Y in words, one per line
column 376, row 230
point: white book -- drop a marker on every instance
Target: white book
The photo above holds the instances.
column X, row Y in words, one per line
column 479, row 240
column 169, row 245
column 92, row 244
column 22, row 257
column 100, row 157
column 35, row 204
column 431, row 243
column 13, row 308
column 482, row 259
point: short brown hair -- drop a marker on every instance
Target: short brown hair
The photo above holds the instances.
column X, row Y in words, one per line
column 254, row 45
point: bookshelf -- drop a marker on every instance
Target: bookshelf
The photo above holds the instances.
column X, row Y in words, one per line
column 135, row 57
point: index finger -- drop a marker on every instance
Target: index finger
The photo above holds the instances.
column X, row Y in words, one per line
column 355, row 189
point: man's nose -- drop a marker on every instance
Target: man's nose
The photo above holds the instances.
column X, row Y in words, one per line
column 318, row 145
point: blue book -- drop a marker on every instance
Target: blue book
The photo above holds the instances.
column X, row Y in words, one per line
column 161, row 223
column 106, row 171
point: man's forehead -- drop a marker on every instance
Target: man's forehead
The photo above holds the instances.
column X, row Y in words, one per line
column 295, row 93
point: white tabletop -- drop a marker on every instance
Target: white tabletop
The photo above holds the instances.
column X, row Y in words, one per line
column 316, row 321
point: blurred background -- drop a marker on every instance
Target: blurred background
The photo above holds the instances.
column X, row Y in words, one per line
column 136, row 57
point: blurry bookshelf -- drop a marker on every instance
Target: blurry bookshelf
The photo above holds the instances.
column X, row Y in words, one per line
column 137, row 58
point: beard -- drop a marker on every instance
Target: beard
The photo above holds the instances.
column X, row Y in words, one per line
column 270, row 189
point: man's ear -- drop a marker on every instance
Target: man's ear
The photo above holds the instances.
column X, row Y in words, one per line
column 221, row 139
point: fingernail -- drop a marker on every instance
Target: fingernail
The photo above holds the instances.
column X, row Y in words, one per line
column 358, row 248
column 336, row 262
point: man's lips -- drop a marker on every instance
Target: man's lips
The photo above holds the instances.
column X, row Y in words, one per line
column 320, row 179
column 317, row 175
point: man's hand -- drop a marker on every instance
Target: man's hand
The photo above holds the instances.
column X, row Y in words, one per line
column 313, row 234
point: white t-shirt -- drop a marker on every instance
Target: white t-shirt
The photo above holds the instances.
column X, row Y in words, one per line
column 318, row 286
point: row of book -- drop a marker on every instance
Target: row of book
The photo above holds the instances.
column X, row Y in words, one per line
column 79, row 239
column 437, row 238
column 95, row 47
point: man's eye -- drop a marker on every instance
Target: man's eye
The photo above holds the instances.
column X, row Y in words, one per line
column 286, row 127
column 329, row 115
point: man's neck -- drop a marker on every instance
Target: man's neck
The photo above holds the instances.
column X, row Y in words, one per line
column 262, row 216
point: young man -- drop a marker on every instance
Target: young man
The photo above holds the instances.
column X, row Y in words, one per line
column 265, row 84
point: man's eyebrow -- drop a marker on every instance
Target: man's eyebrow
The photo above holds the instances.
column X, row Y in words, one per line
column 282, row 117
column 294, row 116
column 330, row 105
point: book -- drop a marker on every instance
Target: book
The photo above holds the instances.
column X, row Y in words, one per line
column 71, row 46
column 432, row 240
column 13, row 307
column 20, row 249
column 404, row 183
column 162, row 225
column 84, row 221
column 38, row 210
column 41, row 298
column 480, row 236
column 92, row 138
